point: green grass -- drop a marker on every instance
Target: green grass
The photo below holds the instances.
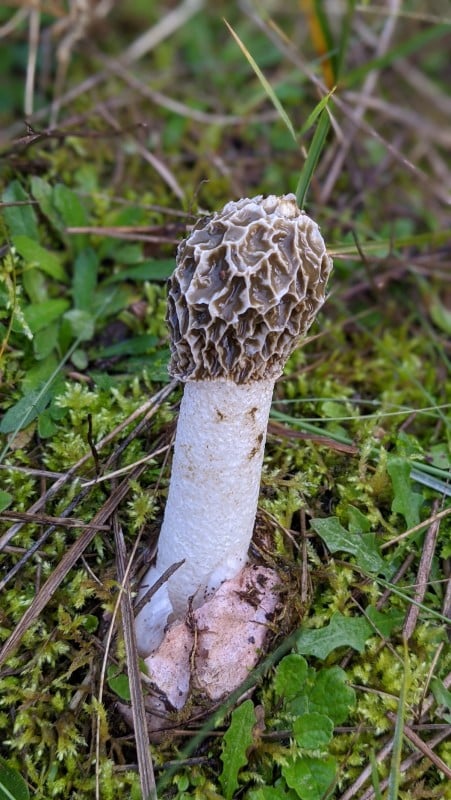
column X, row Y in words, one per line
column 349, row 111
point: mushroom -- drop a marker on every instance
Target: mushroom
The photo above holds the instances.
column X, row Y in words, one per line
column 248, row 283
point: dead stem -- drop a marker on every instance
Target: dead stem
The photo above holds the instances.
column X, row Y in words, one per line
column 424, row 569
column 145, row 768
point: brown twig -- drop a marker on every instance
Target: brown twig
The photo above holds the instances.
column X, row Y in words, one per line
column 424, row 747
column 46, row 519
column 405, row 566
column 133, row 233
column 421, row 525
column 403, row 767
column 365, row 775
column 157, row 585
column 145, row 767
column 279, row 430
column 424, row 569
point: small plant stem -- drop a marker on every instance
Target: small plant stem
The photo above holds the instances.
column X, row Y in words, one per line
column 375, row 776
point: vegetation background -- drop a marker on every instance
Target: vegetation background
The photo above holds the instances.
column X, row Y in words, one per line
column 120, row 123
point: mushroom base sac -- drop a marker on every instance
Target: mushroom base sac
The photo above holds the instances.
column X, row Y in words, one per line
column 212, row 501
column 216, row 652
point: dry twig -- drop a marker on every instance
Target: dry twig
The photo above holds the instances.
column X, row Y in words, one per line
column 424, row 569
column 145, row 767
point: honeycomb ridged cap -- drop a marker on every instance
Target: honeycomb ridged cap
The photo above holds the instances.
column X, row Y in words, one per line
column 248, row 283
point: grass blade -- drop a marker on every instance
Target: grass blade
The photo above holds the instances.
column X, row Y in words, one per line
column 375, row 776
column 266, row 85
column 393, row 778
column 312, row 159
column 313, row 116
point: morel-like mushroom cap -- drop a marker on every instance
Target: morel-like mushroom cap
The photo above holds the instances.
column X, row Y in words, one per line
column 248, row 283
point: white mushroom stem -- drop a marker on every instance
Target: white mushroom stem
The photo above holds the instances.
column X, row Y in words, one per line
column 213, row 495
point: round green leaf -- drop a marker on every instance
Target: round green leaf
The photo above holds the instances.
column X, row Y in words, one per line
column 331, row 694
column 310, row 777
column 313, row 731
column 290, row 677
column 118, row 683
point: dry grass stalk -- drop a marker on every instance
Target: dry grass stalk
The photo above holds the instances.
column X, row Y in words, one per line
column 424, row 569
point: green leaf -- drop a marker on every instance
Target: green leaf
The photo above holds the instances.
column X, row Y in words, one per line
column 290, row 676
column 337, row 538
column 109, row 301
column 46, row 425
column 439, row 455
column 41, row 372
column 85, row 279
column 42, row 191
column 341, row 632
column 331, row 695
column 45, row 341
column 146, row 271
column 157, row 365
column 358, row 522
column 313, row 731
column 36, row 285
column 136, row 345
column 24, row 411
column 129, row 253
column 12, row 785
column 312, row 117
column 81, row 324
column 72, row 210
column 102, row 380
column 440, row 315
column 310, row 777
column 385, row 622
column 91, row 623
column 236, row 742
column 5, row 499
column 441, row 693
column 118, row 683
column 37, row 256
column 405, row 501
column 276, row 792
column 40, row 315
column 79, row 359
column 21, row 219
